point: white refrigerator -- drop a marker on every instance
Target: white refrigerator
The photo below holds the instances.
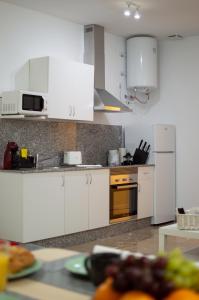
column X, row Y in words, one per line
column 163, row 155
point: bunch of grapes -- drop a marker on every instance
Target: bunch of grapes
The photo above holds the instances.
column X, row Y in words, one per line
column 181, row 271
column 141, row 274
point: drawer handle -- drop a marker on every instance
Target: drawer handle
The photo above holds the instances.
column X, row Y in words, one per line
column 146, row 173
column 128, row 186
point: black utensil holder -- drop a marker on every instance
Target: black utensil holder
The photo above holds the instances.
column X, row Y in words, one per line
column 140, row 157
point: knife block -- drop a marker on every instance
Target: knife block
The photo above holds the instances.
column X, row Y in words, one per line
column 140, row 157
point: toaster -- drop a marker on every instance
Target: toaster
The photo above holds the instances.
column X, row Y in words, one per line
column 72, row 158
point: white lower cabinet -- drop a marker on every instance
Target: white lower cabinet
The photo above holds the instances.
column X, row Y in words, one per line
column 145, row 192
column 31, row 206
column 36, row 206
column 86, row 200
column 76, row 202
column 11, row 207
column 99, row 199
column 43, row 206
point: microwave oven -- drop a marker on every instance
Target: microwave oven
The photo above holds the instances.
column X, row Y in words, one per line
column 23, row 103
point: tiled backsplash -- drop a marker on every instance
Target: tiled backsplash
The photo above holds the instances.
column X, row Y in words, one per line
column 49, row 139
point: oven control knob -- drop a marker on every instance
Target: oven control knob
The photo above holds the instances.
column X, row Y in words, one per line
column 124, row 179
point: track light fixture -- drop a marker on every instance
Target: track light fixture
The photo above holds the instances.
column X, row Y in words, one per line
column 127, row 11
column 132, row 7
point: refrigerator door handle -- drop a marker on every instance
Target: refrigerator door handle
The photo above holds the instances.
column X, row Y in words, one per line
column 163, row 151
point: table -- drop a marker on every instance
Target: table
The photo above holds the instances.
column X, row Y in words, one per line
column 173, row 230
column 52, row 281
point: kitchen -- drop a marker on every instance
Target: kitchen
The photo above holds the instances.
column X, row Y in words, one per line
column 132, row 192
column 69, row 144
column 173, row 102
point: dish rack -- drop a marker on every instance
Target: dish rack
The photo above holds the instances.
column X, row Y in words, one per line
column 189, row 220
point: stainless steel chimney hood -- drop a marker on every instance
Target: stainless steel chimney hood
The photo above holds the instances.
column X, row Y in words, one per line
column 94, row 55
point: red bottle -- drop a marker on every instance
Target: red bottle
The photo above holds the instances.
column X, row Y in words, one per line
column 8, row 155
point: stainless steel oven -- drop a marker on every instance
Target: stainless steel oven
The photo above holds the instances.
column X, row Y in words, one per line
column 123, row 197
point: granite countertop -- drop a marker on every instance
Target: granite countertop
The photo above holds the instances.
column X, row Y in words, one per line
column 66, row 169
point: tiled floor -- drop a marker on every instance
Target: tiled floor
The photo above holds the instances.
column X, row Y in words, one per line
column 143, row 240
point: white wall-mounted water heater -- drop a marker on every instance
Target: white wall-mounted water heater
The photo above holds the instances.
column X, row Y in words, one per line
column 141, row 63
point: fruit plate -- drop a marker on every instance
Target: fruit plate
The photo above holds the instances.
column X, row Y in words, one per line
column 26, row 272
column 75, row 265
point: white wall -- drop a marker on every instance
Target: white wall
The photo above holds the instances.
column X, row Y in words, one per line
column 176, row 102
column 25, row 33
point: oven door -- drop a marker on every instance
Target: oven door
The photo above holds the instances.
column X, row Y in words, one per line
column 123, row 201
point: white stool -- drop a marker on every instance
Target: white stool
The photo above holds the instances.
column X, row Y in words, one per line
column 173, row 230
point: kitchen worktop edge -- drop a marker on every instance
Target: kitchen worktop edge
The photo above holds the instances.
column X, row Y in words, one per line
column 69, row 169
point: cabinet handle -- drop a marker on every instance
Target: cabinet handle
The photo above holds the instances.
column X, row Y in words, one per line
column 91, row 179
column 63, row 181
column 70, row 110
column 86, row 178
column 139, row 187
column 73, row 111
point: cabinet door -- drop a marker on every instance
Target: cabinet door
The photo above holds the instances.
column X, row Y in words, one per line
column 11, row 206
column 76, row 202
column 145, row 192
column 61, row 89
column 43, row 206
column 71, row 91
column 83, row 91
column 115, row 66
column 69, row 86
column 98, row 198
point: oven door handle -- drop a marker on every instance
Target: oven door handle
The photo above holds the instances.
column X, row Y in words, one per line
column 126, row 186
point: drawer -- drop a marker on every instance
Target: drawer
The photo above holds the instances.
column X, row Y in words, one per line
column 145, row 172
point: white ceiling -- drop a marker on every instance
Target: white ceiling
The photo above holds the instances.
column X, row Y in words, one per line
column 159, row 17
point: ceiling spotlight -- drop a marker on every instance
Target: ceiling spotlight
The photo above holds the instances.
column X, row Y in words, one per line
column 127, row 12
column 137, row 14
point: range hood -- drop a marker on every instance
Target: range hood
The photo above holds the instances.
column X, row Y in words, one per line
column 94, row 55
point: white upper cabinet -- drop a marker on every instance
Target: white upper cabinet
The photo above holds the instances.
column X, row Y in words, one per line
column 69, row 84
column 115, row 65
